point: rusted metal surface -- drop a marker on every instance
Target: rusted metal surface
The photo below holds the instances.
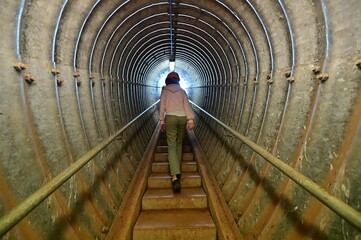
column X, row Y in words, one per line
column 338, row 206
column 31, row 202
column 227, row 228
column 129, row 210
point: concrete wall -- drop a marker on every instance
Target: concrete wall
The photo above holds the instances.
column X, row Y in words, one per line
column 283, row 73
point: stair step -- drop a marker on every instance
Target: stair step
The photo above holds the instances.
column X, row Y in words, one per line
column 186, row 166
column 164, row 157
column 163, row 180
column 163, row 141
column 174, row 224
column 164, row 198
column 164, row 149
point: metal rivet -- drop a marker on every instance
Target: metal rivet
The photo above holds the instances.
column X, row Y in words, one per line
column 55, row 71
column 316, row 69
column 322, row 76
column 288, row 74
column 19, row 66
column 291, row 79
column 59, row 81
column 29, row 78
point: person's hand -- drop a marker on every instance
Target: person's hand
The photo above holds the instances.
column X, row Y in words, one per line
column 162, row 127
column 190, row 125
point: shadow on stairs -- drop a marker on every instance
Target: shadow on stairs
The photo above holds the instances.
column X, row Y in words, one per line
column 150, row 209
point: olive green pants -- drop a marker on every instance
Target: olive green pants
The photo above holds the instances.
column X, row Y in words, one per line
column 175, row 132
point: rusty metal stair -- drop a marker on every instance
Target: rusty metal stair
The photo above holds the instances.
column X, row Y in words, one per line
column 156, row 213
column 165, row 215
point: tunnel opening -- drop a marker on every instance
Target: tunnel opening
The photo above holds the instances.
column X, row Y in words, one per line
column 183, row 80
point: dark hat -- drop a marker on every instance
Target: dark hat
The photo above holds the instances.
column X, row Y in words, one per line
column 173, row 75
column 172, row 78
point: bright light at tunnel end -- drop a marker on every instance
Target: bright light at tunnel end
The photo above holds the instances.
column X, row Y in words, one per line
column 171, row 66
column 183, row 84
column 183, row 80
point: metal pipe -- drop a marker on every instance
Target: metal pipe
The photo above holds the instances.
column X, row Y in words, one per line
column 75, row 66
column 293, row 48
column 80, row 34
column 270, row 49
column 18, row 29
column 327, row 35
column 342, row 209
column 171, row 58
column 90, row 66
column 293, row 60
column 31, row 202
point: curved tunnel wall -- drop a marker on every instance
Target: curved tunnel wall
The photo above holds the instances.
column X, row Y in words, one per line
column 283, row 73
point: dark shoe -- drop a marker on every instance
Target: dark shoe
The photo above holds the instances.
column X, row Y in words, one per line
column 176, row 186
column 179, row 176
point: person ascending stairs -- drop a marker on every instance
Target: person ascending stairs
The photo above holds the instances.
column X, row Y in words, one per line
column 175, row 114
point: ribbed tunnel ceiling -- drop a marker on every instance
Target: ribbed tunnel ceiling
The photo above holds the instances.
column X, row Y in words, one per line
column 215, row 43
column 134, row 41
column 286, row 74
column 211, row 47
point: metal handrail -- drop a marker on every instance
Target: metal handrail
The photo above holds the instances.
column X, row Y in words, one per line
column 31, row 202
column 342, row 209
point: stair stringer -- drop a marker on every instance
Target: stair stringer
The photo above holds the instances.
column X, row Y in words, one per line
column 226, row 226
column 128, row 212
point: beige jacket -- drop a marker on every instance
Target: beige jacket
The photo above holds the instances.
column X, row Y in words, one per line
column 174, row 101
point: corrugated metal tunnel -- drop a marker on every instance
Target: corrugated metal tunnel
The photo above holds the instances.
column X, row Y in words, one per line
column 285, row 74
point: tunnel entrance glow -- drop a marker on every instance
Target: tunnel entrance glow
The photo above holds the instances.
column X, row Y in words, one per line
column 171, row 66
column 183, row 81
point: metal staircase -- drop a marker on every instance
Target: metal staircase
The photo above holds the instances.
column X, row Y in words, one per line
column 168, row 215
